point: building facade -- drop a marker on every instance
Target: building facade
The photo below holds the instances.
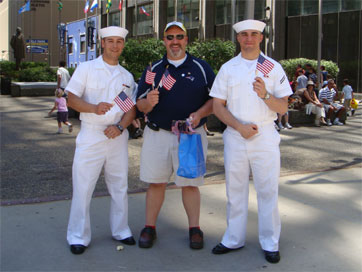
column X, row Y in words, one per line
column 291, row 32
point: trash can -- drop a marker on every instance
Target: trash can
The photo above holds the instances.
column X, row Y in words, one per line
column 5, row 85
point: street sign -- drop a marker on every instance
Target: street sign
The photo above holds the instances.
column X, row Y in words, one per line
column 36, row 46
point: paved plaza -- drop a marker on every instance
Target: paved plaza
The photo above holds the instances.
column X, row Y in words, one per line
column 320, row 203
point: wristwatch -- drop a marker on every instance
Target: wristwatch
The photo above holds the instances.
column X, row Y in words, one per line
column 119, row 127
column 267, row 96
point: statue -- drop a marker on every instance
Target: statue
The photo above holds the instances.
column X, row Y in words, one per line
column 18, row 45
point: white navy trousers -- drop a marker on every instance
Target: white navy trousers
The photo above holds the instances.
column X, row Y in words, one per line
column 93, row 151
column 261, row 154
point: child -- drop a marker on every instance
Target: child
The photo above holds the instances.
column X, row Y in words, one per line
column 62, row 114
column 348, row 95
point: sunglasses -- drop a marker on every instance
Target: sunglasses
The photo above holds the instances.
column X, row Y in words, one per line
column 178, row 37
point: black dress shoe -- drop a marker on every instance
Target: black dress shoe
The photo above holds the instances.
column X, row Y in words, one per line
column 128, row 241
column 221, row 249
column 148, row 235
column 77, row 249
column 272, row 256
column 196, row 238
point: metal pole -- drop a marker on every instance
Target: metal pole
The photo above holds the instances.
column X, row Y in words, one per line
column 175, row 8
column 86, row 36
column 59, row 33
column 136, row 17
column 320, row 37
column 99, row 26
column 233, row 11
column 249, row 9
column 31, row 49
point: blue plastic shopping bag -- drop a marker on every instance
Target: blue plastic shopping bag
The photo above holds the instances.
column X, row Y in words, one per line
column 191, row 156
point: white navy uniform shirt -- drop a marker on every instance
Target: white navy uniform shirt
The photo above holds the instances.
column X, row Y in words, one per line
column 234, row 83
column 93, row 82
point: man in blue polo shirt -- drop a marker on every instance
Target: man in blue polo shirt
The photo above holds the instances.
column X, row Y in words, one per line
column 173, row 88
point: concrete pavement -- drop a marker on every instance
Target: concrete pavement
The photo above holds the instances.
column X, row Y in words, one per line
column 321, row 231
column 321, row 210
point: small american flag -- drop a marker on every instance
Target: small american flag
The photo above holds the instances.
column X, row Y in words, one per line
column 150, row 76
column 124, row 102
column 264, row 65
column 167, row 80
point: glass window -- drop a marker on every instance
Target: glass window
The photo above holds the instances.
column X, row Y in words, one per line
column 222, row 12
column 240, row 11
column 351, row 5
column 114, row 19
column 329, row 6
column 259, row 9
column 82, row 43
column 170, row 10
column 70, row 45
column 188, row 13
column 294, row 7
column 310, row 7
column 144, row 23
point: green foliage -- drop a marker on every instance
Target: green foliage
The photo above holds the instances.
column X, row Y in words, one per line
column 214, row 52
column 137, row 54
column 29, row 71
column 32, row 64
column 71, row 70
column 7, row 69
column 37, row 74
column 290, row 65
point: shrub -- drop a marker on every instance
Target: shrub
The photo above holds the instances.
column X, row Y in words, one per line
column 29, row 71
column 71, row 70
column 137, row 54
column 32, row 64
column 7, row 69
column 214, row 52
column 290, row 65
column 37, row 74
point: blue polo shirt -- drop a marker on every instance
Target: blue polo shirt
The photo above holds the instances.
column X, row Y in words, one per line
column 194, row 79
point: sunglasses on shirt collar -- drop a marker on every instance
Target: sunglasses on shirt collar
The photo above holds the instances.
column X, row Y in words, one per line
column 178, row 37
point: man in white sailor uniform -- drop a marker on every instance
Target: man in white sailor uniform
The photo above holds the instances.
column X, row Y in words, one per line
column 102, row 140
column 248, row 92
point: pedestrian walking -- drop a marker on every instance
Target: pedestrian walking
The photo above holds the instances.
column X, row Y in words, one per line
column 63, row 76
column 60, row 104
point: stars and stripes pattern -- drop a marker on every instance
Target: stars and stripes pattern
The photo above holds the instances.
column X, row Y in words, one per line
column 150, row 76
column 123, row 101
column 263, row 65
column 167, row 80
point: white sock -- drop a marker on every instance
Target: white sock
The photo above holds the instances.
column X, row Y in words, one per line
column 336, row 120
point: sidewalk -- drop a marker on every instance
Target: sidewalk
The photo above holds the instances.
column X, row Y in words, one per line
column 321, row 231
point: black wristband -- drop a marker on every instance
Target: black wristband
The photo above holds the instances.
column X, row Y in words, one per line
column 120, row 128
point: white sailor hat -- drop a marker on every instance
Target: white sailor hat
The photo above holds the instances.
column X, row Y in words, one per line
column 174, row 23
column 249, row 24
column 113, row 31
